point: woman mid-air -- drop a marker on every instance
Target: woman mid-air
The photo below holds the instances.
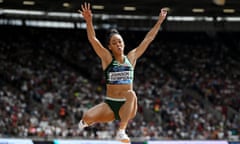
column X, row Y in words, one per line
column 121, row 100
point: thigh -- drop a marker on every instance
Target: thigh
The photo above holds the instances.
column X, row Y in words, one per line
column 130, row 106
column 99, row 113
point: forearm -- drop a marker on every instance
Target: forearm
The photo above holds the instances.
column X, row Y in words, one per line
column 154, row 30
column 90, row 31
column 147, row 40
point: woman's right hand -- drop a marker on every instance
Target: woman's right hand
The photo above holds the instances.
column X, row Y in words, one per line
column 86, row 11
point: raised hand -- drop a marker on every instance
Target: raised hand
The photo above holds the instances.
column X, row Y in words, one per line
column 86, row 11
column 163, row 14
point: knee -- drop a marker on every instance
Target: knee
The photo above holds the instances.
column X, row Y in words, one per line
column 131, row 96
column 86, row 118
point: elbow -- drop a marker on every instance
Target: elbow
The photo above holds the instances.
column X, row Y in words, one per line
column 92, row 39
column 150, row 39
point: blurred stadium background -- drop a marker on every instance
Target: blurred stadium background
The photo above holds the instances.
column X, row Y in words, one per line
column 187, row 82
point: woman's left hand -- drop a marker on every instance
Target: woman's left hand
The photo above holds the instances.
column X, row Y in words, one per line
column 163, row 14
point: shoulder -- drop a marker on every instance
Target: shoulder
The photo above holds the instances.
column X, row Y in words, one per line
column 106, row 62
column 132, row 58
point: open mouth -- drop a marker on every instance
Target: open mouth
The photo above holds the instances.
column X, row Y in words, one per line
column 120, row 48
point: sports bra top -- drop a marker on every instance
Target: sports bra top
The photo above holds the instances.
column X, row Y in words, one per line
column 117, row 73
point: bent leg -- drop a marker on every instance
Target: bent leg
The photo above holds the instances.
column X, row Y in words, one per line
column 127, row 112
column 128, row 109
column 98, row 113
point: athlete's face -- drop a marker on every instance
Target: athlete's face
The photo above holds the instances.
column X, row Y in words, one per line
column 116, row 44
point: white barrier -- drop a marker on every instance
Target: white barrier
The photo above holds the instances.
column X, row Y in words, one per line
column 65, row 141
column 15, row 141
column 57, row 141
column 188, row 142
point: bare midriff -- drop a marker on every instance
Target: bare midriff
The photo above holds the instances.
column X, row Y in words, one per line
column 119, row 91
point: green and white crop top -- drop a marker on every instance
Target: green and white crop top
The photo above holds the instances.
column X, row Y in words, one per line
column 117, row 73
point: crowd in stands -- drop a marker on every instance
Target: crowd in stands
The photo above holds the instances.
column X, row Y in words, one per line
column 49, row 77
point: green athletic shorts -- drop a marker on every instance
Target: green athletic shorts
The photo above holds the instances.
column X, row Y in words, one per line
column 115, row 105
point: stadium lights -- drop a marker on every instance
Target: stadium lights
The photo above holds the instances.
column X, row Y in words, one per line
column 76, row 15
column 66, row 4
column 228, row 19
column 63, row 14
column 22, row 12
column 28, row 3
column 180, row 18
column 135, row 17
column 129, row 8
column 232, row 19
column 98, row 7
column 189, row 18
column 198, row 10
column 49, row 24
column 229, row 10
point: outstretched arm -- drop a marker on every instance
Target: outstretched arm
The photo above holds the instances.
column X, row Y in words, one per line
column 102, row 52
column 137, row 52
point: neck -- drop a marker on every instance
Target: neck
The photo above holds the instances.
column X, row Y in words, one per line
column 119, row 58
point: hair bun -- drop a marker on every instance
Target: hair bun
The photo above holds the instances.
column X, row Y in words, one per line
column 114, row 31
column 110, row 33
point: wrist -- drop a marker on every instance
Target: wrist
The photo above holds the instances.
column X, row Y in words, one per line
column 159, row 21
column 89, row 21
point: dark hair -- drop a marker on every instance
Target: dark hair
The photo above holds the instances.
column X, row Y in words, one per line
column 110, row 34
